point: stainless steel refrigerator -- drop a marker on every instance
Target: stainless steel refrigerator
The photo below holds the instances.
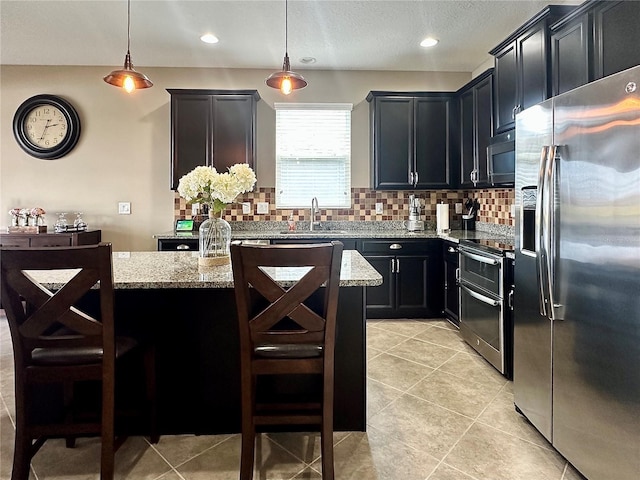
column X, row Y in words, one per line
column 577, row 274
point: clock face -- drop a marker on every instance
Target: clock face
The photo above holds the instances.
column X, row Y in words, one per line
column 46, row 126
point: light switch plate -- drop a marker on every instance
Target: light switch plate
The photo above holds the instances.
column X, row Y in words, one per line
column 262, row 208
column 379, row 208
column 458, row 208
column 246, row 208
column 513, row 211
column 124, row 208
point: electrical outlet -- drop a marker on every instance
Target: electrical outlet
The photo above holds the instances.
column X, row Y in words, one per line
column 246, row 208
column 262, row 208
column 458, row 208
column 124, row 208
column 513, row 211
column 379, row 208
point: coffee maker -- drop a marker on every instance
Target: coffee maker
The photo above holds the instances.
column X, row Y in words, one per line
column 414, row 223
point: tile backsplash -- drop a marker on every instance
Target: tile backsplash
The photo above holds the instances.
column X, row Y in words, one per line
column 495, row 206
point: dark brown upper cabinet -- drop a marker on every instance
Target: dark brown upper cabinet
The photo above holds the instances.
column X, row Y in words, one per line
column 597, row 39
column 475, row 103
column 211, row 128
column 411, row 136
column 522, row 65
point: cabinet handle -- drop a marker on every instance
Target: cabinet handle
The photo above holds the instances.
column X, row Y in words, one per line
column 415, row 178
column 451, row 250
column 411, row 178
column 183, row 247
column 513, row 113
column 395, row 246
column 397, row 265
column 393, row 265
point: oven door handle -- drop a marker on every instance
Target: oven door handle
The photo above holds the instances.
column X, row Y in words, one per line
column 478, row 296
column 479, row 258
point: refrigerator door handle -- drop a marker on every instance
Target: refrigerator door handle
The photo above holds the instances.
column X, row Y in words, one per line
column 550, row 234
column 539, row 232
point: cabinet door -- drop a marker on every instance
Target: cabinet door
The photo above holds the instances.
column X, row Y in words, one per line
column 392, row 142
column 505, row 88
column 570, row 53
column 432, row 137
column 617, row 37
column 381, row 300
column 411, row 272
column 233, row 131
column 467, row 139
column 451, row 289
column 483, row 128
column 532, row 67
column 190, row 134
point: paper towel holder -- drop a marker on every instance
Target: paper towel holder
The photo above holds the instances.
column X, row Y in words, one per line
column 442, row 218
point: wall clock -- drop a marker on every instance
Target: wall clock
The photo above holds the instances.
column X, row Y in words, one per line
column 46, row 126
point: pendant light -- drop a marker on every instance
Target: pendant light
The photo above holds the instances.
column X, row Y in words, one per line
column 127, row 78
column 286, row 81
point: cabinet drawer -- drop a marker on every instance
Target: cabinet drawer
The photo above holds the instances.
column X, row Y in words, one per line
column 178, row 244
column 395, row 247
column 14, row 241
column 347, row 243
column 51, row 241
column 450, row 252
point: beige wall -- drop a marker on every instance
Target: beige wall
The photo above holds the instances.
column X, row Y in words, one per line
column 124, row 148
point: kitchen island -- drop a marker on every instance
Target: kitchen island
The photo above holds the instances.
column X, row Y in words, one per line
column 189, row 314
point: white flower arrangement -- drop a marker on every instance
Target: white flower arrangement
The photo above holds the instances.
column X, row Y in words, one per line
column 208, row 186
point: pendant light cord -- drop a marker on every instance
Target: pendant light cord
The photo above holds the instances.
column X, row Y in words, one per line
column 286, row 27
column 128, row 26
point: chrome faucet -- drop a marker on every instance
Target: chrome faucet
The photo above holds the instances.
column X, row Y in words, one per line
column 314, row 211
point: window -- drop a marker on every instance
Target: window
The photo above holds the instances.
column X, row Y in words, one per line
column 313, row 155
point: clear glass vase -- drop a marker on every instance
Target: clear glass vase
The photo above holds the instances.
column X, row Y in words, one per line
column 214, row 241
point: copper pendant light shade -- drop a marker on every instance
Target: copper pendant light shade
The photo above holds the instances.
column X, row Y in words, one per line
column 285, row 80
column 127, row 78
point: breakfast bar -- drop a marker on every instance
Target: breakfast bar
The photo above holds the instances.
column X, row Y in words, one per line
column 189, row 314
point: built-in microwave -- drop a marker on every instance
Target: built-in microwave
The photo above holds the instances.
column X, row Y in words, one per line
column 501, row 159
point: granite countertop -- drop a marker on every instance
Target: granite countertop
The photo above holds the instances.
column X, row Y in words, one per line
column 357, row 230
column 148, row 270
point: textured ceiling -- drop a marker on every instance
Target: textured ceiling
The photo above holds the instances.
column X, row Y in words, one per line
column 345, row 34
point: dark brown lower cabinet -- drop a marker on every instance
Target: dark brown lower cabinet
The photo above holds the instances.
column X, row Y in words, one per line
column 89, row 237
column 412, row 278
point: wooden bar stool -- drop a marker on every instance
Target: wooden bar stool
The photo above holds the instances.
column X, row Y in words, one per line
column 286, row 331
column 55, row 342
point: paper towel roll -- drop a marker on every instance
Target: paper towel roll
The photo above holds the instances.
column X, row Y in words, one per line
column 442, row 217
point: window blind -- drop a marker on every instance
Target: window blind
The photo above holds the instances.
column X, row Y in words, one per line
column 313, row 155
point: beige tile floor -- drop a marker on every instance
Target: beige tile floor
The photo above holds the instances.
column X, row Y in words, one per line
column 436, row 411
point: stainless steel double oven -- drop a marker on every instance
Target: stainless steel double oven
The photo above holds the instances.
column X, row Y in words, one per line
column 485, row 302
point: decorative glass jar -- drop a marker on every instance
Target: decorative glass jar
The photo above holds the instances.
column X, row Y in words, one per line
column 214, row 241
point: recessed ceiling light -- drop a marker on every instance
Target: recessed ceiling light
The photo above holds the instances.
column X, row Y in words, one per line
column 307, row 60
column 428, row 42
column 209, row 38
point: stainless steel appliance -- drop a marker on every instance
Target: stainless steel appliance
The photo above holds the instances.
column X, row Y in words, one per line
column 501, row 155
column 484, row 301
column 414, row 223
column 577, row 274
